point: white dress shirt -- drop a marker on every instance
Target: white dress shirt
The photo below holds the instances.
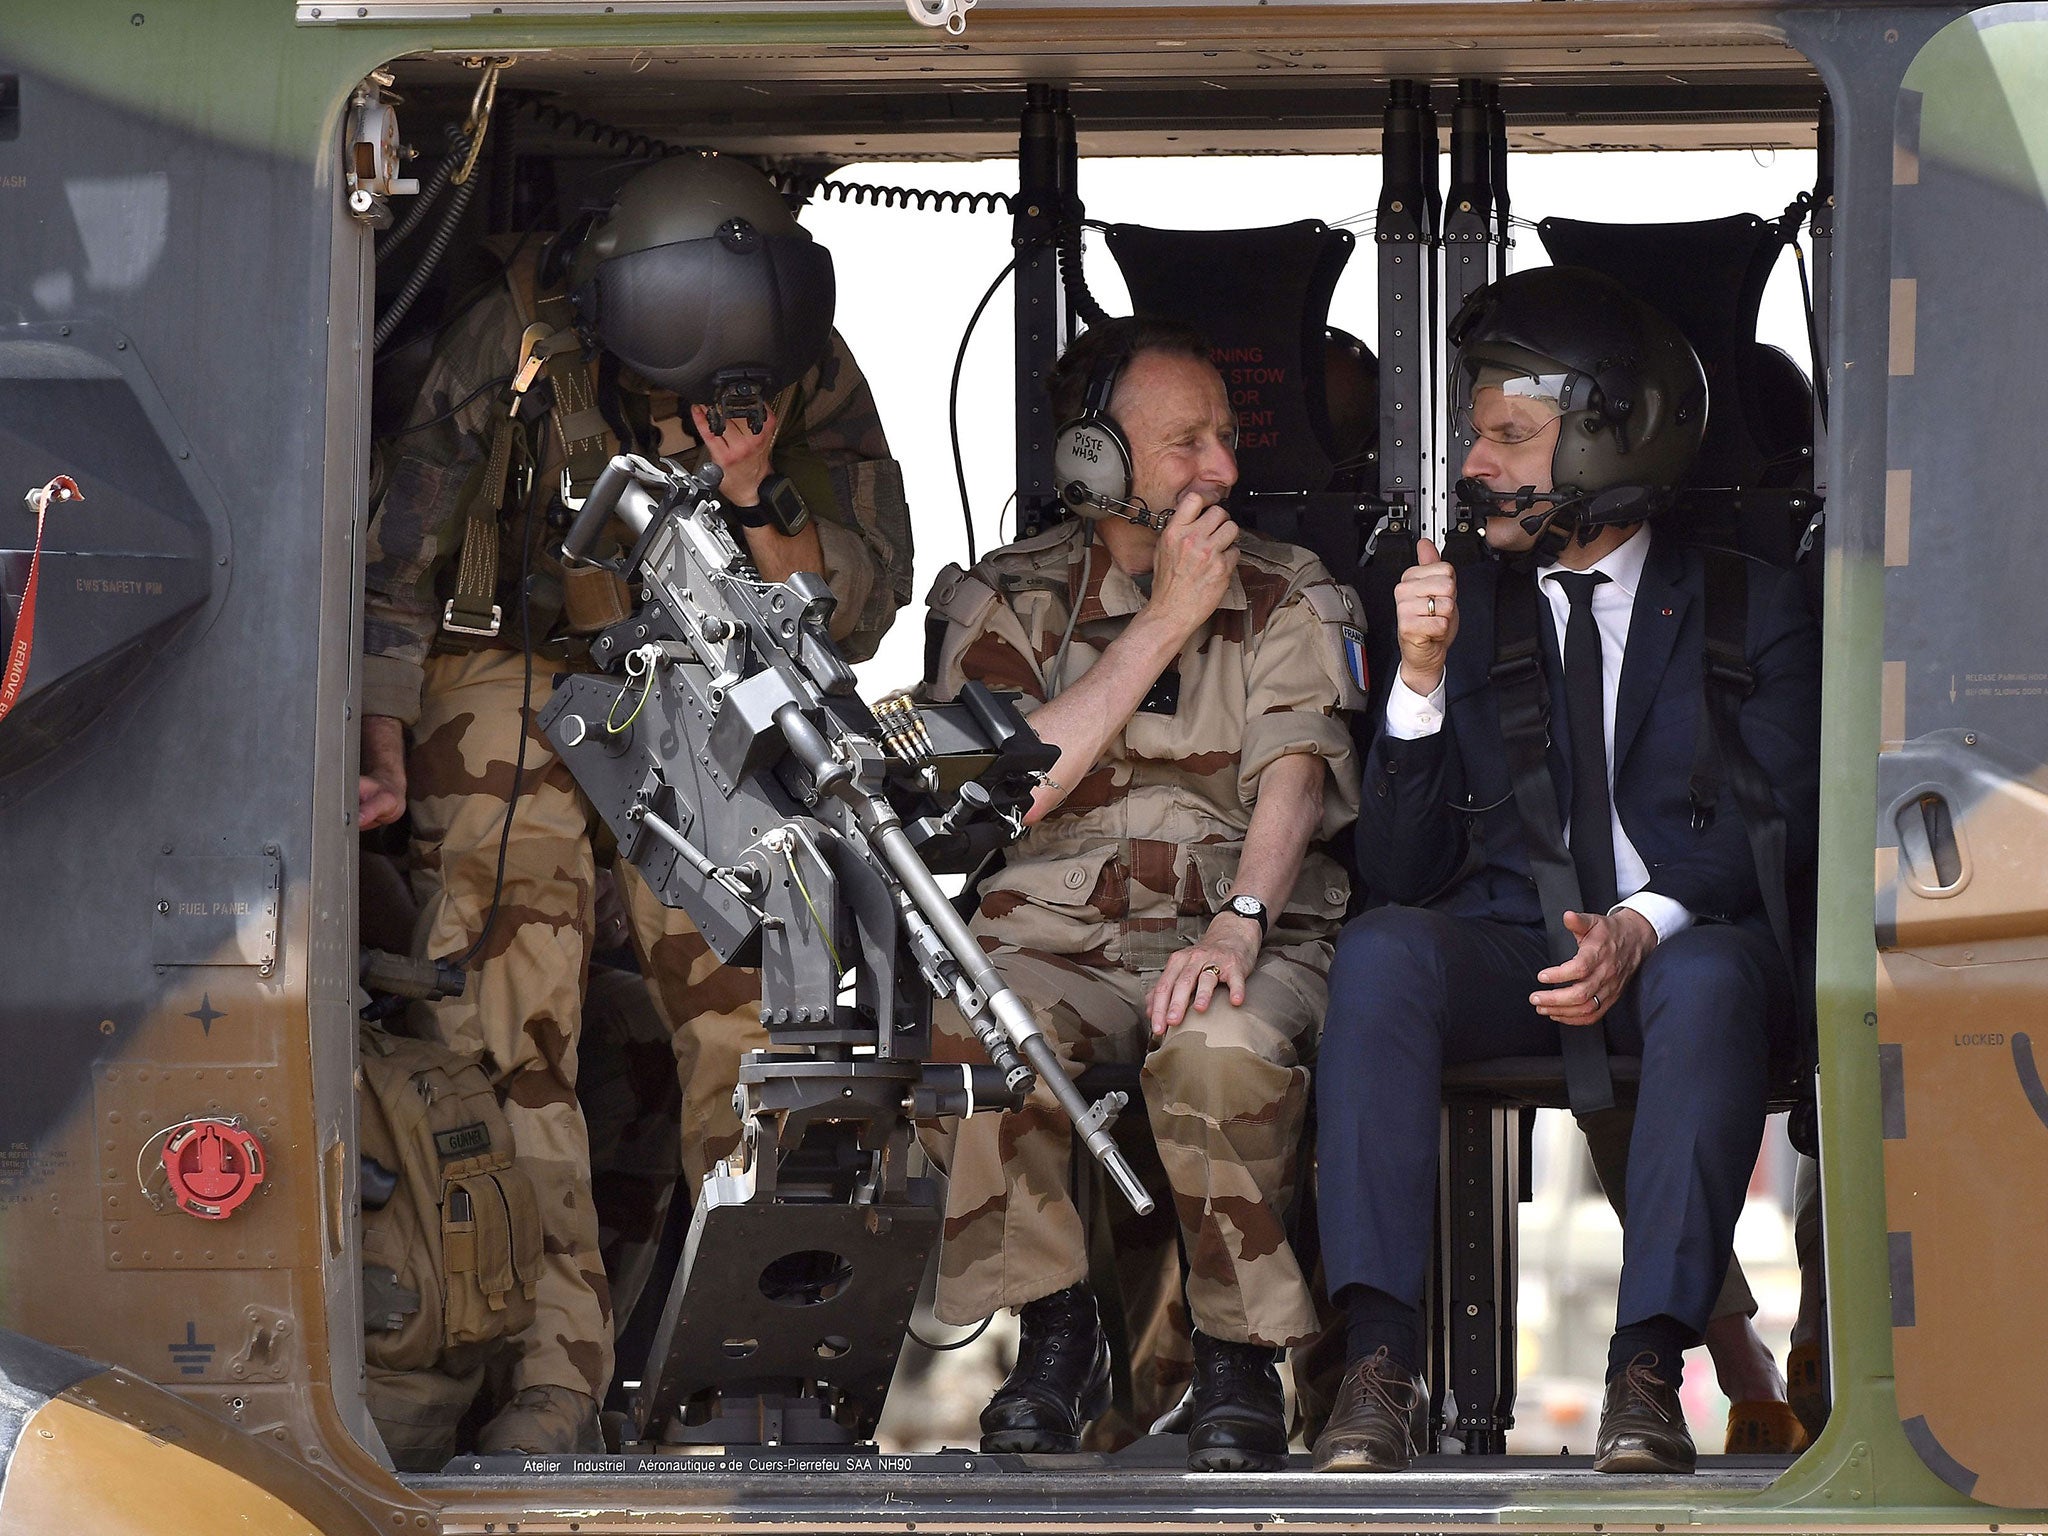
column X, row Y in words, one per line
column 1410, row 716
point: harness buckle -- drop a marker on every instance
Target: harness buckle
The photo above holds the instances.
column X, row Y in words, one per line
column 1514, row 668
column 455, row 626
column 1737, row 673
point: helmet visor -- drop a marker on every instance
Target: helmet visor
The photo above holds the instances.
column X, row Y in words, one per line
column 1507, row 406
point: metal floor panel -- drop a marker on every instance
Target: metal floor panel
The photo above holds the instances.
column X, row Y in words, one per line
column 1145, row 1485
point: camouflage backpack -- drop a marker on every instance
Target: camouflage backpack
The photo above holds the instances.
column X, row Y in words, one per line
column 451, row 1223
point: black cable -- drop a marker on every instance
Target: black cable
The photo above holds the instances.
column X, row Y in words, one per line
column 435, row 421
column 623, row 141
column 437, row 247
column 461, row 963
column 1820, row 374
column 923, row 199
column 642, row 146
column 953, row 403
column 940, row 1349
column 1074, row 279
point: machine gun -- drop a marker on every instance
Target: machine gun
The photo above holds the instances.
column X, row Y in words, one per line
column 724, row 744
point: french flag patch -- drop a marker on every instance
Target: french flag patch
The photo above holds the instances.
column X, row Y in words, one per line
column 1354, row 654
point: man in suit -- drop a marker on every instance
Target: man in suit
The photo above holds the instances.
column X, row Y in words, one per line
column 1586, row 407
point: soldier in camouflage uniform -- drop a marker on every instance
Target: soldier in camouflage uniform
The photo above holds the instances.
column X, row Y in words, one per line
column 1165, row 907
column 502, row 857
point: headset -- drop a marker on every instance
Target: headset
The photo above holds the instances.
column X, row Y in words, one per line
column 1091, row 458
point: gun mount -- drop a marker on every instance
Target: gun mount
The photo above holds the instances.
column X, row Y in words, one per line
column 726, row 747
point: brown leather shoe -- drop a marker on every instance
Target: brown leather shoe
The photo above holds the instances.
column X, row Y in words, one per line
column 1379, row 1421
column 1642, row 1425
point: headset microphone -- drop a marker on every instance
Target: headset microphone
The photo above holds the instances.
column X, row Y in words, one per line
column 1133, row 510
column 1590, row 510
column 1575, row 513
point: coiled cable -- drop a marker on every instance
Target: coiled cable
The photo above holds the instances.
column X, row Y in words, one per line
column 437, row 247
column 1074, row 279
column 922, row 199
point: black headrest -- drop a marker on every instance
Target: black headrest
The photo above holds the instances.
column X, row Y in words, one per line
column 1261, row 297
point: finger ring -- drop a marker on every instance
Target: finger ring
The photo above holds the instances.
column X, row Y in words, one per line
column 1432, row 607
column 1596, row 999
column 1210, row 970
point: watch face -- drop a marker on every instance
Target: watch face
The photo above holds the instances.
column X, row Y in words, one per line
column 1247, row 906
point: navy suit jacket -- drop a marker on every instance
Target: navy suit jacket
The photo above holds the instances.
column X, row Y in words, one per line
column 1439, row 827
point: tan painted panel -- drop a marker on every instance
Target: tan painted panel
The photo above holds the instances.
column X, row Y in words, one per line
column 75, row 1469
column 1905, row 313
column 136, row 1104
column 228, row 1470
column 1892, row 707
column 1973, row 1160
column 1898, row 516
column 1961, row 970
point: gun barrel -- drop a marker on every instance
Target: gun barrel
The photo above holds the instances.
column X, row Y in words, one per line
column 894, row 844
column 1094, row 1128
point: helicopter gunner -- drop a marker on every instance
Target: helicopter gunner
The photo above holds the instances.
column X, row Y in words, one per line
column 694, row 320
column 1587, row 407
column 1165, row 907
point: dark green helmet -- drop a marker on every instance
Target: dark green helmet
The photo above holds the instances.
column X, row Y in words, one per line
column 1628, row 385
column 700, row 279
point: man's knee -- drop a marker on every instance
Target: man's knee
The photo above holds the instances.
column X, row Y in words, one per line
column 1718, row 977
column 1389, row 952
column 1223, row 1073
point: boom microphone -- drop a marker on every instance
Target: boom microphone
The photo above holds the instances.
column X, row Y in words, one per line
column 1616, row 505
column 1135, row 510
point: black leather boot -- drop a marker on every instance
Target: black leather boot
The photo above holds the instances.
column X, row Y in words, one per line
column 1240, row 1413
column 1061, row 1380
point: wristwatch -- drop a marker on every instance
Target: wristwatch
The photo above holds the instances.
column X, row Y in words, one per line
column 1253, row 908
column 781, row 507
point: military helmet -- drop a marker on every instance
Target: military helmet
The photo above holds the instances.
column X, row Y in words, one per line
column 698, row 276
column 1628, row 386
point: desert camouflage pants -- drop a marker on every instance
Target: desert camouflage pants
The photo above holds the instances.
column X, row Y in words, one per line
column 524, row 1006
column 1225, row 1093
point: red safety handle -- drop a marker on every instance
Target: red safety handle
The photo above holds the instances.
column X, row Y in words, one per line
column 63, row 488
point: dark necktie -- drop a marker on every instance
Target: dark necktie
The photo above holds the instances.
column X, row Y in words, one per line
column 1592, row 835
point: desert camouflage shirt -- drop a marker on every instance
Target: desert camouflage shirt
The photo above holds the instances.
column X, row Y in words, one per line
column 1135, row 861
column 831, row 445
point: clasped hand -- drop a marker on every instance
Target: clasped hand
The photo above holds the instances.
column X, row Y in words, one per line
column 1611, row 951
